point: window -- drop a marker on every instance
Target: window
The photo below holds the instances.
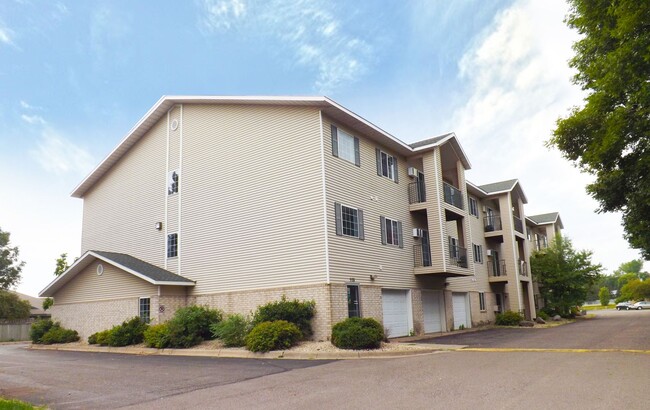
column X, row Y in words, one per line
column 172, row 245
column 473, row 207
column 172, row 182
column 354, row 308
column 345, row 146
column 391, row 232
column 386, row 165
column 481, row 300
column 145, row 309
column 349, row 221
column 478, row 253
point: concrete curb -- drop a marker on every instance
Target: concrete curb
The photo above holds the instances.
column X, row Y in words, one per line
column 245, row 354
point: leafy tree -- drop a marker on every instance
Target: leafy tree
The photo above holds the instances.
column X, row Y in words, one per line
column 603, row 296
column 564, row 274
column 635, row 290
column 10, row 267
column 48, row 303
column 609, row 137
column 12, row 307
column 61, row 264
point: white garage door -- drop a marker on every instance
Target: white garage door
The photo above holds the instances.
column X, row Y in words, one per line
column 459, row 301
column 431, row 305
column 396, row 312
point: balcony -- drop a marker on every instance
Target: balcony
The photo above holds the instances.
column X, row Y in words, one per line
column 542, row 243
column 417, row 192
column 421, row 255
column 519, row 226
column 492, row 223
column 523, row 268
column 497, row 268
column 458, row 256
column 453, row 196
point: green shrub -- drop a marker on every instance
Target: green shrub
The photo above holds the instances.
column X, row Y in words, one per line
column 297, row 312
column 58, row 334
column 276, row 335
column 130, row 332
column 157, row 336
column 543, row 315
column 39, row 328
column 232, row 331
column 508, row 318
column 191, row 325
column 357, row 333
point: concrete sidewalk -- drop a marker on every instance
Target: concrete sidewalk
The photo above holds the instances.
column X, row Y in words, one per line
column 241, row 353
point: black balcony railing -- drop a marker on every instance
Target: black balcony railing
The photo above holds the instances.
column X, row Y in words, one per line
column 542, row 243
column 519, row 226
column 421, row 255
column 417, row 193
column 492, row 223
column 458, row 256
column 523, row 268
column 497, row 268
column 453, row 196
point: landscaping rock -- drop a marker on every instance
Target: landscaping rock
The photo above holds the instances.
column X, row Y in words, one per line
column 557, row 318
column 540, row 320
column 526, row 323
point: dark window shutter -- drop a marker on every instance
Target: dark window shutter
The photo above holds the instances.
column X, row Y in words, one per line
column 337, row 217
column 400, row 238
column 382, row 220
column 378, row 155
column 335, row 141
column 357, row 154
column 360, row 220
column 395, row 167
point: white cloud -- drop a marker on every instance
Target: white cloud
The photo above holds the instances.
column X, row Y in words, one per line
column 58, row 155
column 310, row 29
column 33, row 119
column 5, row 35
column 519, row 83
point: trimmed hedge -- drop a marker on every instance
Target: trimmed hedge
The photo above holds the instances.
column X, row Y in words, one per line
column 191, row 325
column 508, row 318
column 232, row 331
column 157, row 336
column 276, row 335
column 357, row 333
column 47, row 332
column 294, row 311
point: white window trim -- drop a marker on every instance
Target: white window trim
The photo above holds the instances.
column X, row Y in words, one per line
column 394, row 225
column 140, row 307
column 357, row 218
column 169, row 181
column 481, row 301
column 478, row 250
column 390, row 169
column 340, row 134
column 167, row 246
column 475, row 207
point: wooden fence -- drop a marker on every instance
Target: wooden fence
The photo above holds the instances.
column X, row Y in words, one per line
column 17, row 330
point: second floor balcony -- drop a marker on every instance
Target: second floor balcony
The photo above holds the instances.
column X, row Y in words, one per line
column 453, row 196
column 497, row 268
column 421, row 255
column 417, row 192
column 458, row 256
column 523, row 268
column 492, row 223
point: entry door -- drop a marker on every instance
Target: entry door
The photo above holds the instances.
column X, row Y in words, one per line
column 459, row 301
column 431, row 304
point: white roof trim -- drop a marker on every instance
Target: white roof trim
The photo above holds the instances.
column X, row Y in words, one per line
column 72, row 268
column 452, row 135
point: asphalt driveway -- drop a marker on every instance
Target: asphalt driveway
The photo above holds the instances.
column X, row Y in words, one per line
column 610, row 329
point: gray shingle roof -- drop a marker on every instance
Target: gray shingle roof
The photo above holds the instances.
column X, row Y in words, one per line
column 499, row 186
column 429, row 141
column 544, row 218
column 146, row 269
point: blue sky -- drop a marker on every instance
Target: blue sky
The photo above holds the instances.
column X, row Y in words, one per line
column 76, row 76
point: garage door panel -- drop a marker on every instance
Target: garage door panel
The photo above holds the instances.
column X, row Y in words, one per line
column 396, row 312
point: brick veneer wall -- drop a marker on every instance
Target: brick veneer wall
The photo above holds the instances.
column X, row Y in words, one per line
column 90, row 317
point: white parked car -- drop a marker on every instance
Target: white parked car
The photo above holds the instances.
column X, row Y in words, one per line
column 640, row 305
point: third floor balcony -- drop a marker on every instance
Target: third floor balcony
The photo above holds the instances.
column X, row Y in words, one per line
column 453, row 196
column 492, row 223
column 519, row 226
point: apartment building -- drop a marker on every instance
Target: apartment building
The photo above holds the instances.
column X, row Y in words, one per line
column 540, row 231
column 232, row 202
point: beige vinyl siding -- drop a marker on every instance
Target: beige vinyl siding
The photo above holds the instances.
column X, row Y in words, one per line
column 121, row 210
column 479, row 282
column 173, row 201
column 431, row 163
column 112, row 284
column 252, row 197
column 362, row 188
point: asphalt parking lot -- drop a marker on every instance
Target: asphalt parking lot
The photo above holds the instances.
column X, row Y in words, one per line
column 608, row 329
column 498, row 378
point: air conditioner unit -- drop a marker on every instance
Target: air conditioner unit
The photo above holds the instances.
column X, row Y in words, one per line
column 489, row 252
column 484, row 209
column 418, row 233
column 413, row 172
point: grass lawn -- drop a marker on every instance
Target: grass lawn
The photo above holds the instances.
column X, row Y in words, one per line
column 598, row 307
column 7, row 404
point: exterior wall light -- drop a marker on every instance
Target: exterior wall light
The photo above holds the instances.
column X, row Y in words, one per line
column 159, row 226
